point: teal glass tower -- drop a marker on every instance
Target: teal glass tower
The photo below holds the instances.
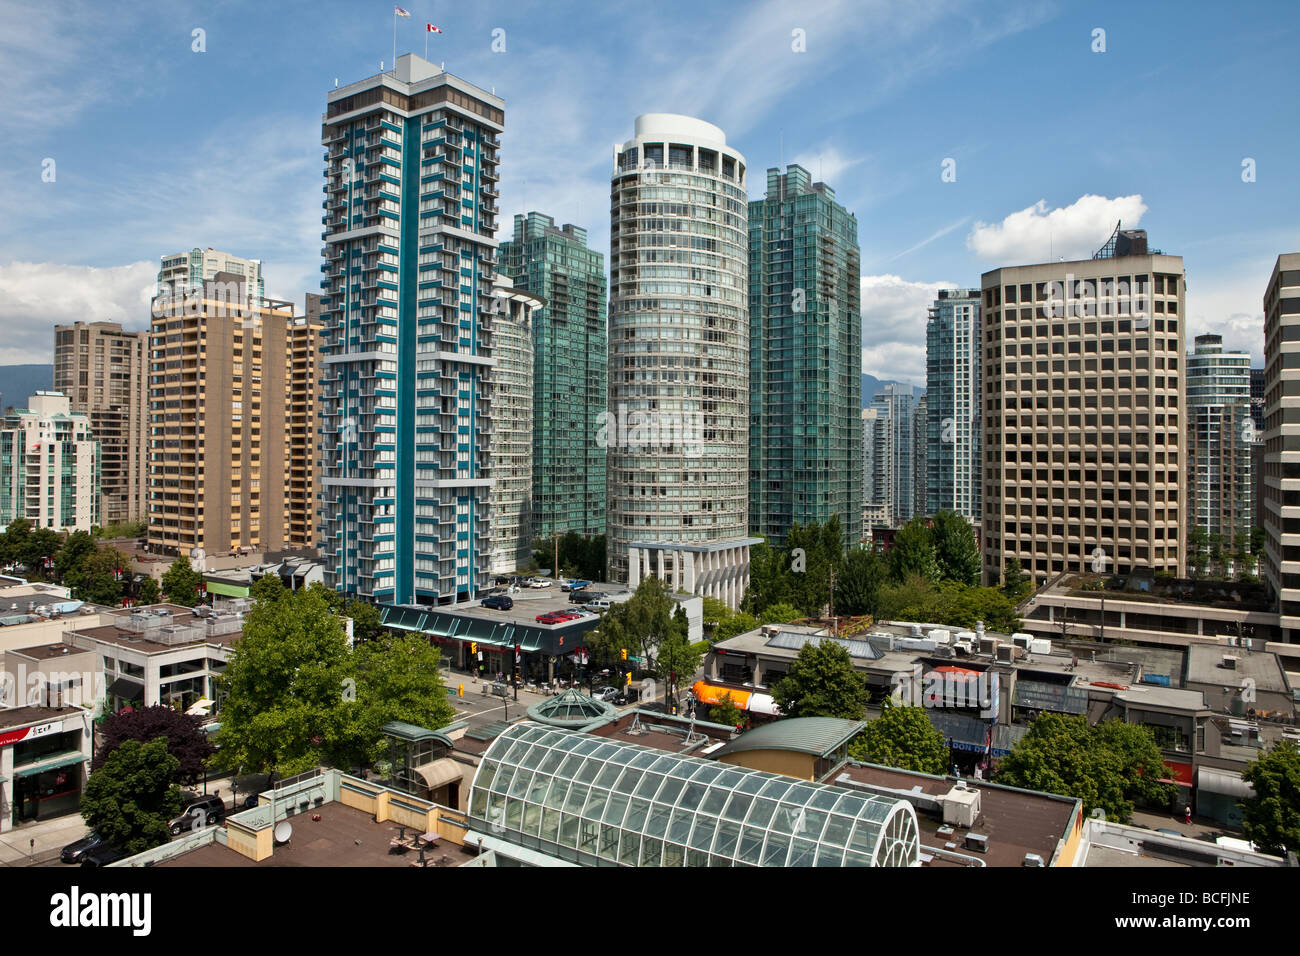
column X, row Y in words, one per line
column 406, row 392
column 569, row 371
column 805, row 359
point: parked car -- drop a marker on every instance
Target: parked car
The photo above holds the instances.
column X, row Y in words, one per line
column 104, row 855
column 607, row 694
column 601, row 605
column 539, row 583
column 74, row 852
column 498, row 602
column 210, row 809
column 550, row 617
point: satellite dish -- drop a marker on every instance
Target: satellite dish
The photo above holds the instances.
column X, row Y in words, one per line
column 283, row 831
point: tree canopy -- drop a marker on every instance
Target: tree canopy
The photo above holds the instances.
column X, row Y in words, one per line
column 131, row 798
column 902, row 737
column 1271, row 818
column 1107, row 766
column 185, row 738
column 180, row 583
column 652, row 626
column 822, row 683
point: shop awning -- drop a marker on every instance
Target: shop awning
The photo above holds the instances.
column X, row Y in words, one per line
column 53, row 763
column 440, row 773
column 712, row 695
column 763, row 704
column 227, row 590
column 1224, row 782
column 126, row 688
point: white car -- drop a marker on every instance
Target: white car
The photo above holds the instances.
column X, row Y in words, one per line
column 539, row 583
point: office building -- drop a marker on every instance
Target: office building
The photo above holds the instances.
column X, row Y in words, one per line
column 513, row 392
column 1280, row 509
column 1220, row 436
column 920, row 456
column 877, row 468
column 897, row 405
column 184, row 272
column 952, row 366
column 49, row 465
column 104, row 371
column 1083, row 427
column 569, row 364
column 805, row 359
column 231, row 413
column 677, row 423
column 1257, row 380
column 410, row 257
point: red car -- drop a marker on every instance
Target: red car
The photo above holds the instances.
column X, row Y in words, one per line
column 557, row 617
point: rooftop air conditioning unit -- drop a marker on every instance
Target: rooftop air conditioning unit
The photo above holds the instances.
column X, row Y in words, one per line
column 1022, row 640
column 977, row 842
column 961, row 806
column 1230, row 662
column 988, row 645
column 1006, row 653
column 1032, row 859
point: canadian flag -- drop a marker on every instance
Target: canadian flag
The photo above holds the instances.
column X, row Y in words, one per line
column 430, row 28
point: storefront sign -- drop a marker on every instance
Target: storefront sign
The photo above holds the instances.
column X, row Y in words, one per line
column 27, row 733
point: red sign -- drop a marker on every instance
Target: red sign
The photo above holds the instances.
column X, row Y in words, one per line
column 26, row 733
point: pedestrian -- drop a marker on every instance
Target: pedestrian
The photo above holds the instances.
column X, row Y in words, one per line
column 1187, row 815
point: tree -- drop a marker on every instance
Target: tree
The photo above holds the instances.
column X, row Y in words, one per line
column 269, row 587
column 738, row 623
column 180, row 583
column 397, row 679
column 13, row 543
column 1016, row 582
column 677, row 659
column 956, row 553
column 149, row 591
column 714, row 613
column 857, row 590
column 41, row 545
column 1197, row 545
column 183, row 733
column 99, row 577
column 913, row 552
column 68, row 562
column 902, row 737
column 780, row 614
column 822, row 683
column 131, row 799
column 366, row 624
column 291, row 688
column 1103, row 766
column 1271, row 818
column 726, row 712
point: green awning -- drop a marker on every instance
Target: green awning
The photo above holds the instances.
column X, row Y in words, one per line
column 228, row 590
column 68, row 759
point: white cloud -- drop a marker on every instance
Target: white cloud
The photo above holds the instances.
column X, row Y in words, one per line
column 1231, row 309
column 1035, row 234
column 893, row 326
column 826, row 164
column 36, row 296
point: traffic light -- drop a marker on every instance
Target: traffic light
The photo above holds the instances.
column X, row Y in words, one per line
column 628, row 682
column 473, row 647
column 625, row 653
column 460, row 690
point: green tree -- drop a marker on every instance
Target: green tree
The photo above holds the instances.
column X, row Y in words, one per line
column 398, row 678
column 1103, row 766
column 68, row 563
column 822, row 683
column 714, row 613
column 292, row 689
column 100, row 576
column 365, row 620
column 956, row 553
column 738, row 623
column 183, row 733
column 1271, row 818
column 913, row 552
column 726, row 712
column 677, row 659
column 41, row 545
column 149, row 591
column 131, row 799
column 858, row 589
column 13, row 543
column 1016, row 582
column 902, row 737
column 180, row 583
column 1198, row 543
column 269, row 587
column 780, row 614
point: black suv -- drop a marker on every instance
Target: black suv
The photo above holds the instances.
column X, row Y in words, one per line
column 498, row 602
column 208, row 810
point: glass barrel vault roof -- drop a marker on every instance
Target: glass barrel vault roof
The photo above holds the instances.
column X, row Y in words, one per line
column 599, row 802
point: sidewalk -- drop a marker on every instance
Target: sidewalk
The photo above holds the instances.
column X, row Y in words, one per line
column 49, row 836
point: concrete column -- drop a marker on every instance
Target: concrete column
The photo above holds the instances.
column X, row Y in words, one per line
column 633, row 567
column 659, row 563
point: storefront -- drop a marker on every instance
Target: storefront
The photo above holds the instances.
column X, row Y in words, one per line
column 44, row 754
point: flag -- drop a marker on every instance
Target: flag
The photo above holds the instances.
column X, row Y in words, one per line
column 400, row 12
column 430, row 28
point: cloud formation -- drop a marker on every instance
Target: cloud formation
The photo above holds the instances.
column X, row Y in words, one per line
column 894, row 313
column 1037, row 234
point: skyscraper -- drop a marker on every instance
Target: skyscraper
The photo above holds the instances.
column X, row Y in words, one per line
column 1220, row 436
column 920, row 456
column 104, row 372
column 569, row 365
column 511, row 460
column 897, row 405
column 231, row 407
column 805, row 359
column 952, row 364
column 877, row 468
column 1280, row 565
column 1082, row 428
column 677, row 424
column 183, row 272
column 49, row 465
column 410, row 257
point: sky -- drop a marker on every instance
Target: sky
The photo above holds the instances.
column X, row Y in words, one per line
column 964, row 135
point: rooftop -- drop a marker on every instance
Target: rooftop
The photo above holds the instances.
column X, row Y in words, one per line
column 665, row 732
column 818, row 736
column 1205, row 666
column 14, row 717
column 162, row 627
column 45, row 652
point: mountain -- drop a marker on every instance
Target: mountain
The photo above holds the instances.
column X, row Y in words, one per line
column 871, row 385
column 20, row 382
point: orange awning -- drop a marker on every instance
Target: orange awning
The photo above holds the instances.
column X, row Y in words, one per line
column 712, row 694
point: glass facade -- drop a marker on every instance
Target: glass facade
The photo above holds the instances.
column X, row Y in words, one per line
column 569, row 371
column 952, row 393
column 805, row 358
column 896, row 405
column 598, row 802
column 1220, row 434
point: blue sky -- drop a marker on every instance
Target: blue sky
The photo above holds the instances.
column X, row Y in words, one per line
column 158, row 148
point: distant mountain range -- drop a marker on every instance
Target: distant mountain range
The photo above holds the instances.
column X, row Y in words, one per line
column 18, row 383
column 871, row 385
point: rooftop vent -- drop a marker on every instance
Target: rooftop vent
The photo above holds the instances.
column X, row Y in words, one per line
column 1230, row 662
column 1032, row 859
column 977, row 842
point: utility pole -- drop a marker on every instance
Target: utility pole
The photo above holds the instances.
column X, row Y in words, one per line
column 835, row 625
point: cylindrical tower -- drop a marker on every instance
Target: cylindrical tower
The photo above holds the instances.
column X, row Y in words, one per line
column 676, row 428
